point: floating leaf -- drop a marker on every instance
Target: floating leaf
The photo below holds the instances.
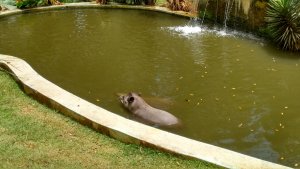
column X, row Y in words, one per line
column 240, row 125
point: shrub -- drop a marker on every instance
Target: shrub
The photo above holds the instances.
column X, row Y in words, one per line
column 8, row 2
column 283, row 18
column 136, row 2
column 179, row 5
column 35, row 3
column 30, row 3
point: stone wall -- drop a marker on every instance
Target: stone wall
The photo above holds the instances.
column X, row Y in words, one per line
column 247, row 15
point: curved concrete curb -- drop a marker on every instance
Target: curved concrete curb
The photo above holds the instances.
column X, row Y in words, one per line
column 121, row 128
column 94, row 5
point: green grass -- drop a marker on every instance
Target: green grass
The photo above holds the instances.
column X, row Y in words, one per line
column 34, row 136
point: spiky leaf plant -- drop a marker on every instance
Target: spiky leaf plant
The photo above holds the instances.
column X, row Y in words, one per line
column 283, row 18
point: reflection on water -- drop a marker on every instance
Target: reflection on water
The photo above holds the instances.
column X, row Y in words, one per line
column 228, row 88
column 80, row 21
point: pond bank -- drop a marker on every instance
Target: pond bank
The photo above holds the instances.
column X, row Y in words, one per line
column 34, row 136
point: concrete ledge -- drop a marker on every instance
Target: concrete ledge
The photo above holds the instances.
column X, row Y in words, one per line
column 121, row 128
column 94, row 5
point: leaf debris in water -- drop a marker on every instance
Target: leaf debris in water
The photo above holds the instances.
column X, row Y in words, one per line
column 240, row 125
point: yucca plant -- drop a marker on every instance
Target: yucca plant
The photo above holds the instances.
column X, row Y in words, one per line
column 283, row 18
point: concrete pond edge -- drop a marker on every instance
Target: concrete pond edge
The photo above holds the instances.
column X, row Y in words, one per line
column 114, row 125
column 82, row 5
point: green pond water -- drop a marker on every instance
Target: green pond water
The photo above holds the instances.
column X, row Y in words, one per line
column 229, row 90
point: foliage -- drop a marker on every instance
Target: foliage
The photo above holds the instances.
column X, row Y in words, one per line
column 29, row 3
column 70, row 1
column 179, row 5
column 8, row 2
column 283, row 18
column 101, row 1
column 137, row 2
column 35, row 3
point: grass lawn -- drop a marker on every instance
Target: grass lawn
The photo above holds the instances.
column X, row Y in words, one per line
column 34, row 136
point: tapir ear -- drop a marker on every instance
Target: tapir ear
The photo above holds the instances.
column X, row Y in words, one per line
column 130, row 99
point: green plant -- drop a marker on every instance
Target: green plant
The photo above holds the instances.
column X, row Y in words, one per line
column 29, row 3
column 136, row 2
column 283, row 18
column 35, row 3
column 8, row 2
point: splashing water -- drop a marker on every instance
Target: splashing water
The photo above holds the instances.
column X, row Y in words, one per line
column 193, row 30
column 186, row 30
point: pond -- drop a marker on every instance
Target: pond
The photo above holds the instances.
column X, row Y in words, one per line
column 229, row 89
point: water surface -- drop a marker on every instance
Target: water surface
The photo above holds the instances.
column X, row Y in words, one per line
column 233, row 91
